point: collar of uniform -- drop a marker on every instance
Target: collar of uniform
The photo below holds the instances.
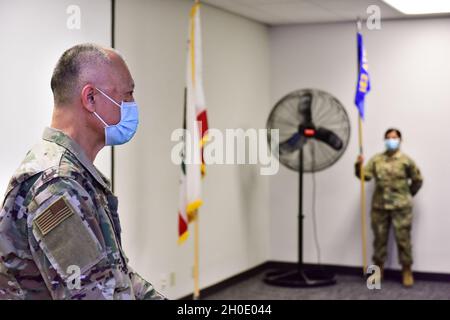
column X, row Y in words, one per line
column 396, row 155
column 60, row 138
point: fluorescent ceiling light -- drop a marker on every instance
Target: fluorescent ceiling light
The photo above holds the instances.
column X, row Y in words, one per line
column 420, row 6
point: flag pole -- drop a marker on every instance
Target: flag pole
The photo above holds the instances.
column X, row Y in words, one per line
column 362, row 175
column 196, row 245
column 363, row 201
column 196, row 257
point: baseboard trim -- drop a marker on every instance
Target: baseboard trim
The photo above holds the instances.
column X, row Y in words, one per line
column 337, row 269
column 229, row 281
column 357, row 270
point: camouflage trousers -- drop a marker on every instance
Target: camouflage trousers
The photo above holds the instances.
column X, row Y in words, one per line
column 381, row 222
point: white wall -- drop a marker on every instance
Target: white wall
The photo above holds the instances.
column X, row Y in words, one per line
column 33, row 36
column 234, row 227
column 408, row 63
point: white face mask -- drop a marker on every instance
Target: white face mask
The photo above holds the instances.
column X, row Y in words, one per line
column 123, row 131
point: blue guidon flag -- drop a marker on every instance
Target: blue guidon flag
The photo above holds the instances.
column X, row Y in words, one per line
column 363, row 86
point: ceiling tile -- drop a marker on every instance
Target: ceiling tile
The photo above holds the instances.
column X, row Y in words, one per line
column 275, row 12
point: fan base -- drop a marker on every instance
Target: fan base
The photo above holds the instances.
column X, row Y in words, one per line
column 300, row 278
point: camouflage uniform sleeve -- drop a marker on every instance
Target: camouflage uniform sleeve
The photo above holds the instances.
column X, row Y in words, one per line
column 416, row 177
column 368, row 170
column 143, row 289
column 19, row 276
column 66, row 243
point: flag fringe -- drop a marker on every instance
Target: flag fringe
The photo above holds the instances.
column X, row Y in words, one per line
column 183, row 237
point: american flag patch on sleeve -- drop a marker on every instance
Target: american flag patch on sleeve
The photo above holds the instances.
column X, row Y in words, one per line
column 53, row 216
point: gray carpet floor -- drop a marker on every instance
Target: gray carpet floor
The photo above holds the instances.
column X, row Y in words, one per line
column 347, row 287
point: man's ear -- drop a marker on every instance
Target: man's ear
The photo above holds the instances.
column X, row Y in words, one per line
column 88, row 97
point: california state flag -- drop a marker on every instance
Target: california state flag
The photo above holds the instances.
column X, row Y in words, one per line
column 195, row 125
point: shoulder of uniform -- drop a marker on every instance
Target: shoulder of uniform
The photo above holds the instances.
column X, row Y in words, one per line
column 378, row 157
column 44, row 156
column 65, row 174
column 47, row 156
column 405, row 157
column 41, row 157
column 52, row 184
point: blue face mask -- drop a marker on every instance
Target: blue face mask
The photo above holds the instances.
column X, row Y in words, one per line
column 126, row 128
column 392, row 144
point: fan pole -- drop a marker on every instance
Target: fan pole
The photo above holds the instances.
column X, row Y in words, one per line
column 300, row 212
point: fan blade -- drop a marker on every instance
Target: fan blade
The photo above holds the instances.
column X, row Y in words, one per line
column 295, row 142
column 304, row 107
column 330, row 138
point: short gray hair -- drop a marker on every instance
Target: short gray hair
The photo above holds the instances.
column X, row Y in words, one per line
column 68, row 75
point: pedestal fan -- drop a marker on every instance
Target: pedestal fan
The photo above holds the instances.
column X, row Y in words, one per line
column 314, row 130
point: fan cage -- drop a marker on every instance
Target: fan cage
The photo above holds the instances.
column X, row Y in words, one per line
column 326, row 111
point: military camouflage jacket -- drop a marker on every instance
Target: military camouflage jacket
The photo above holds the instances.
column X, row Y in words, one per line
column 397, row 179
column 60, row 231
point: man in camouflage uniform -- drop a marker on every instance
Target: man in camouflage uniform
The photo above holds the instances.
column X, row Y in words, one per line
column 59, row 226
column 397, row 180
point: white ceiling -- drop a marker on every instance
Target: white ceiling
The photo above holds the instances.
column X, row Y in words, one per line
column 275, row 12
